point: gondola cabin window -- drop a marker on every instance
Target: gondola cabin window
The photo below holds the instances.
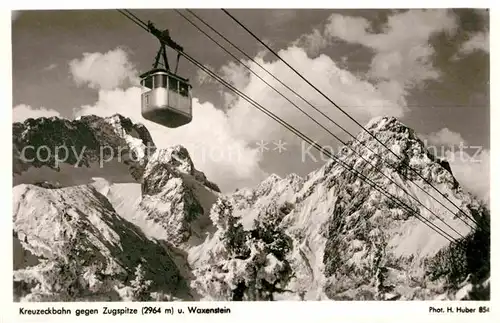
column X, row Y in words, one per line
column 184, row 90
column 147, row 84
column 159, row 81
column 179, row 95
column 146, row 87
column 173, row 85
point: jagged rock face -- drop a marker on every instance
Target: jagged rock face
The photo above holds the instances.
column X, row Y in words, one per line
column 351, row 241
column 274, row 190
column 74, row 151
column 376, row 248
column 178, row 158
column 74, row 237
column 330, row 235
column 166, row 199
column 83, row 249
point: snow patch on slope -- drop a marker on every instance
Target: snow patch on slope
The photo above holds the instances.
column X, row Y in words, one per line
column 329, row 235
column 85, row 250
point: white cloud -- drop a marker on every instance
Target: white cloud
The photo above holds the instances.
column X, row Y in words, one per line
column 348, row 28
column 238, row 76
column 479, row 41
column 445, row 137
column 209, row 139
column 401, row 61
column 50, row 67
column 22, row 112
column 403, row 54
column 203, row 78
column 472, row 171
column 103, row 71
column 313, row 42
column 360, row 98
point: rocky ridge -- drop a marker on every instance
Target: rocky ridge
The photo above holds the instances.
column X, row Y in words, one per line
column 327, row 236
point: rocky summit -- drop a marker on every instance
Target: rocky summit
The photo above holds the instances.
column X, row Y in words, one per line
column 100, row 214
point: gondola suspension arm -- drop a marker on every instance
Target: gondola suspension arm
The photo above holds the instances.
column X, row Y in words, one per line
column 165, row 40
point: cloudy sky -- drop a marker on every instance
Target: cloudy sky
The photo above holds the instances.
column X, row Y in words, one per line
column 429, row 68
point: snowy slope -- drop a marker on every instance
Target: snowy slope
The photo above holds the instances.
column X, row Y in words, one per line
column 84, row 249
column 349, row 240
column 330, row 235
column 171, row 203
column 93, row 203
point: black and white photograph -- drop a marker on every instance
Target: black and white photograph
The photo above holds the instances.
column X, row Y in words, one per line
column 213, row 155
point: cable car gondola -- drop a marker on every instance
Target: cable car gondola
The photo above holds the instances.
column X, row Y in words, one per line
column 166, row 98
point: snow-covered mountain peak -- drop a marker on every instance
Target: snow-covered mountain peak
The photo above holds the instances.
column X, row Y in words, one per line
column 359, row 239
column 408, row 156
column 177, row 156
column 391, row 132
column 73, row 151
column 331, row 235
